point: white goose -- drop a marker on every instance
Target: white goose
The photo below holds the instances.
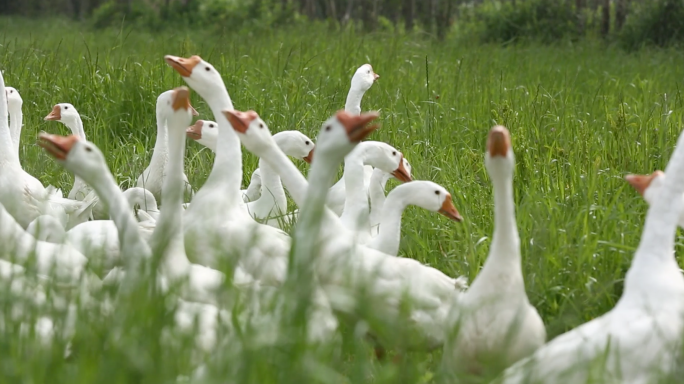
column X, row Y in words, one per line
column 14, row 104
column 639, row 341
column 153, row 176
column 271, row 206
column 424, row 194
column 344, row 268
column 23, row 196
column 362, row 80
column 217, row 218
column 200, row 284
column 379, row 155
column 66, row 114
column 493, row 324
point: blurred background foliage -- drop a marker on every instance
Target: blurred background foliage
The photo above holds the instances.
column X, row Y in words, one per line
column 630, row 23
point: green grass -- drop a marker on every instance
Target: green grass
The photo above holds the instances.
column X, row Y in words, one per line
column 581, row 117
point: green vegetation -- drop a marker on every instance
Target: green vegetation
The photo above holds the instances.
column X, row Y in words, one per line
column 581, row 117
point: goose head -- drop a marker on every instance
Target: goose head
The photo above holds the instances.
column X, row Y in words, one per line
column 295, row 144
column 79, row 157
column 388, row 159
column 177, row 107
column 342, row 132
column 165, row 100
column 431, row 196
column 252, row 131
column 499, row 159
column 198, row 74
column 648, row 186
column 204, row 132
column 364, row 78
column 14, row 100
column 64, row 113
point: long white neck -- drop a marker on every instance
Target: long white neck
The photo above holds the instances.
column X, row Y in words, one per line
column 75, row 125
column 298, row 186
column 356, row 210
column 654, row 264
column 504, row 251
column 226, row 174
column 353, row 103
column 160, row 155
column 389, row 235
column 167, row 238
column 272, row 192
column 314, row 214
column 16, row 121
column 376, row 192
column 8, row 155
column 133, row 248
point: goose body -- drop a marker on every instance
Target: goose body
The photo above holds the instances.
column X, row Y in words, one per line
column 217, row 218
column 362, row 80
column 493, row 324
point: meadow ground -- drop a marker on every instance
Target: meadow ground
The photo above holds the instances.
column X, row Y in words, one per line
column 581, row 116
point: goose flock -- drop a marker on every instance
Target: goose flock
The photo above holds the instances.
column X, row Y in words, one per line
column 342, row 253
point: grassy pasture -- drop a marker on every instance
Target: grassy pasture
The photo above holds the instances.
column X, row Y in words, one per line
column 581, row 117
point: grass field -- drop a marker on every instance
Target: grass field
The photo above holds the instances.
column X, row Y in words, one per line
column 581, row 117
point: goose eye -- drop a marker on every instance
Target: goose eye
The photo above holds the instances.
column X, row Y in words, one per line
column 12, row 91
column 207, row 69
column 368, row 72
column 88, row 149
column 306, row 142
column 261, row 125
column 436, row 192
column 65, row 108
column 327, row 128
column 211, row 125
column 394, row 153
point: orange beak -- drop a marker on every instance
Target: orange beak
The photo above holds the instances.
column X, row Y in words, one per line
column 195, row 131
column 182, row 65
column 375, row 76
column 181, row 99
column 449, row 210
column 240, row 120
column 357, row 126
column 55, row 114
column 642, row 182
column 193, row 111
column 309, row 157
column 56, row 145
column 401, row 173
column 499, row 141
